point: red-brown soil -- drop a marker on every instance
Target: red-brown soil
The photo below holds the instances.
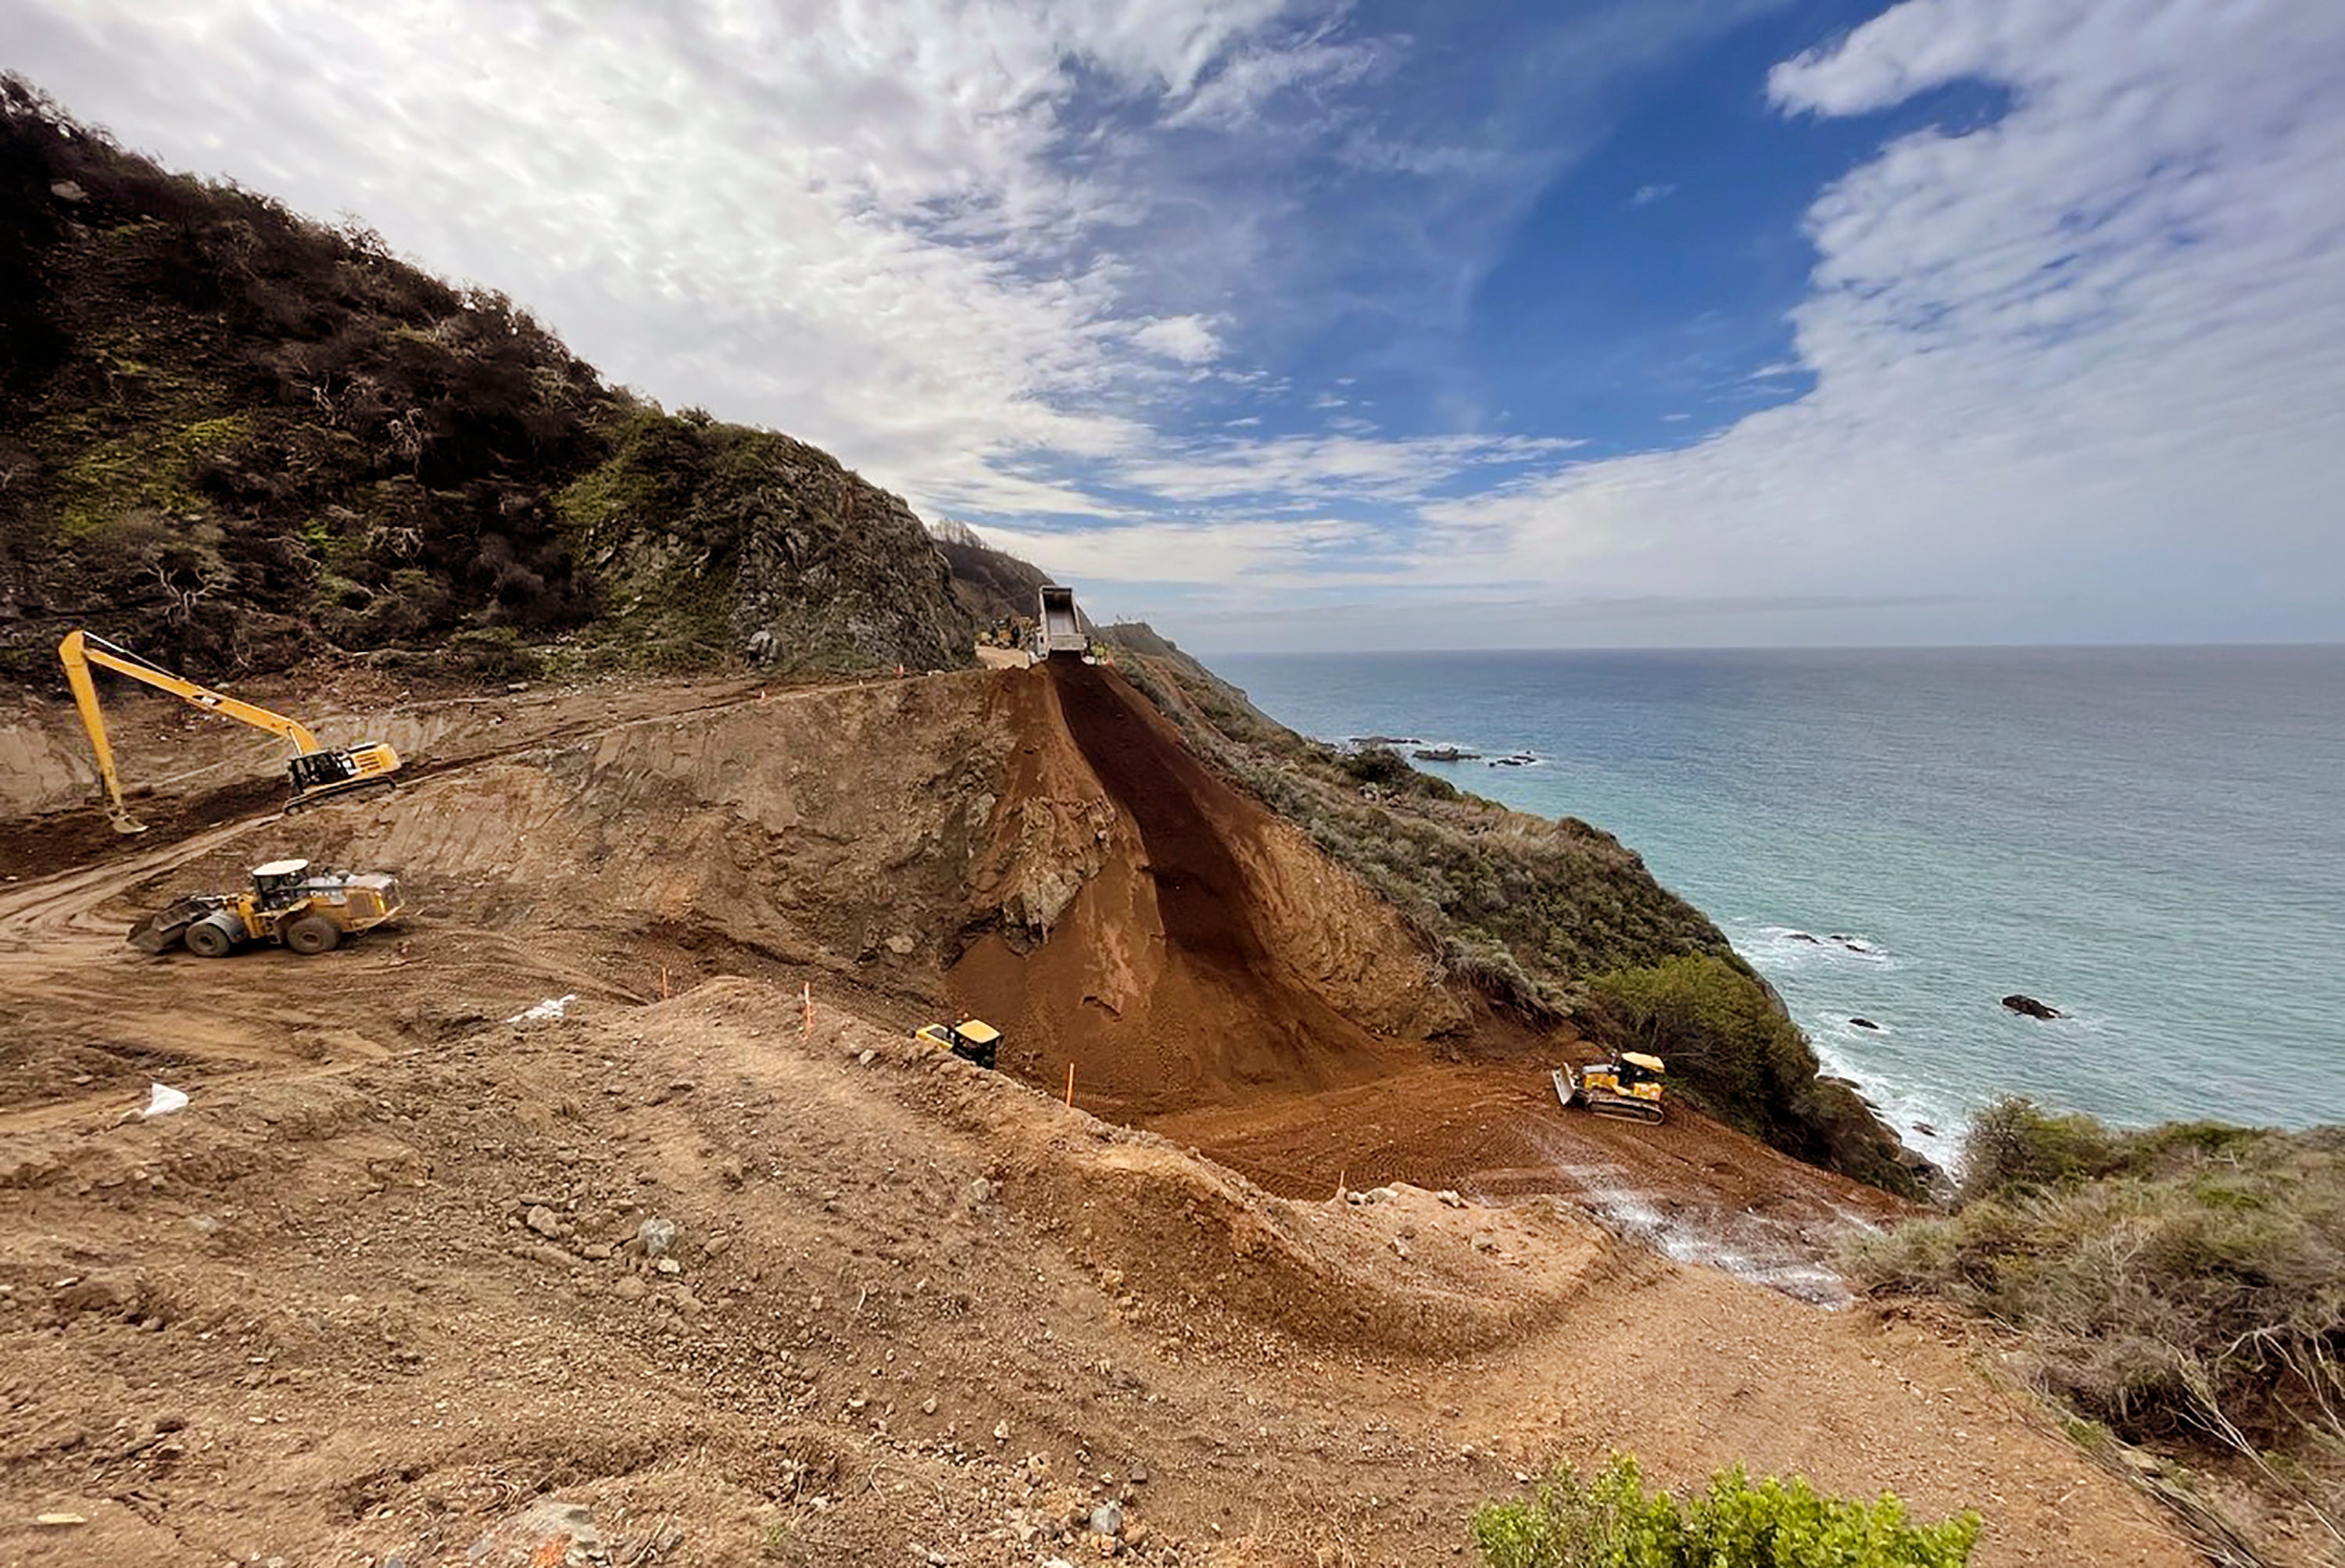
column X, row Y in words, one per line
column 368, row 1295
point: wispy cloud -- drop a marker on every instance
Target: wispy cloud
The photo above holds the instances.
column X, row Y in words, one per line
column 1646, row 195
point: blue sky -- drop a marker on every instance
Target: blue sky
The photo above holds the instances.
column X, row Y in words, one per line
column 1315, row 323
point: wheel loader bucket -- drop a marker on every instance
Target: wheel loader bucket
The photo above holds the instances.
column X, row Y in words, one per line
column 161, row 931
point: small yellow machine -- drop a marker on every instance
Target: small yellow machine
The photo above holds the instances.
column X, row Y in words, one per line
column 1631, row 1088
column 971, row 1039
column 316, row 772
column 308, row 912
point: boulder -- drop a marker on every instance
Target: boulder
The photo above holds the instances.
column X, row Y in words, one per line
column 1863, row 1023
column 2030, row 1007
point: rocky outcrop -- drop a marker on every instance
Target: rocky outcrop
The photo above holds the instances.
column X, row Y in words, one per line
column 709, row 541
column 2029, row 1007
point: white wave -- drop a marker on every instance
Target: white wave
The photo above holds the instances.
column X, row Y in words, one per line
column 1789, row 947
column 1930, row 1121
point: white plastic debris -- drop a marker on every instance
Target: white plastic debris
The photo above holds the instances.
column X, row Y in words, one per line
column 162, row 1100
column 552, row 1007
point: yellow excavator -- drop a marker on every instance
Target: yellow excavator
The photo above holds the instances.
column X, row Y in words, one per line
column 317, row 771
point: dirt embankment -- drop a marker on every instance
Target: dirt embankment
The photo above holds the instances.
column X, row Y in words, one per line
column 336, row 1315
column 380, row 1284
column 1204, row 953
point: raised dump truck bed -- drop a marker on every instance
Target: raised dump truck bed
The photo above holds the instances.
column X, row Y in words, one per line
column 1057, row 628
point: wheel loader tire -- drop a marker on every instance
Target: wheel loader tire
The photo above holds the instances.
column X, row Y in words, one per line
column 313, row 934
column 207, row 939
column 212, row 936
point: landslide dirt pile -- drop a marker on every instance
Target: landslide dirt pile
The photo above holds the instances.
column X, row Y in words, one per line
column 230, row 431
column 385, row 1284
column 1184, row 946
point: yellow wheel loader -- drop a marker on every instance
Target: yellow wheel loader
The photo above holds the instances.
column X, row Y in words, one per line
column 317, row 771
column 288, row 904
column 1630, row 1087
column 971, row 1039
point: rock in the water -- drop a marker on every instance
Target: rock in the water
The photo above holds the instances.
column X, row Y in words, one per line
column 2031, row 1007
column 1863, row 1023
column 1803, row 936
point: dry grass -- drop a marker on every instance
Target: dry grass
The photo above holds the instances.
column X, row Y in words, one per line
column 2184, row 1285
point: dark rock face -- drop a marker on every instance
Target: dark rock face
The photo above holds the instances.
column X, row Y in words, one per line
column 2031, row 1007
column 1865, row 1023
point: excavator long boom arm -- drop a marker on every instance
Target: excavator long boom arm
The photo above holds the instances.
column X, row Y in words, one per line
column 80, row 650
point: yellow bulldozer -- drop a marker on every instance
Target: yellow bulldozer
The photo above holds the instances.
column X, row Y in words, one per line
column 288, row 904
column 317, row 770
column 1630, row 1087
column 971, row 1039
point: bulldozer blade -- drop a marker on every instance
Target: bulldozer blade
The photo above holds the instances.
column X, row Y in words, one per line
column 1563, row 1088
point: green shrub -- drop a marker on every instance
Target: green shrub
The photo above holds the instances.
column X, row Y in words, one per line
column 1726, row 1045
column 1610, row 1521
column 2014, row 1144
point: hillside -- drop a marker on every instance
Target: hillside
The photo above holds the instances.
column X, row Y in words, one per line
column 1558, row 922
column 993, row 585
column 229, row 435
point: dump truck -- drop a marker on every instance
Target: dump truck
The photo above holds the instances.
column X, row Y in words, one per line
column 1058, row 629
column 971, row 1039
column 318, row 771
column 288, row 904
column 1630, row 1087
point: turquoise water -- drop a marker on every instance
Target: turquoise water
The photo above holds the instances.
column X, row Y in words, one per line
column 2151, row 840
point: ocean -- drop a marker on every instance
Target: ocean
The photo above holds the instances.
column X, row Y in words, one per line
column 2150, row 840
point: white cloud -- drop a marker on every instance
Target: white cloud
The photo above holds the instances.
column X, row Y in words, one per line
column 1306, row 470
column 1647, row 195
column 1249, row 555
column 2092, row 349
column 1187, row 339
